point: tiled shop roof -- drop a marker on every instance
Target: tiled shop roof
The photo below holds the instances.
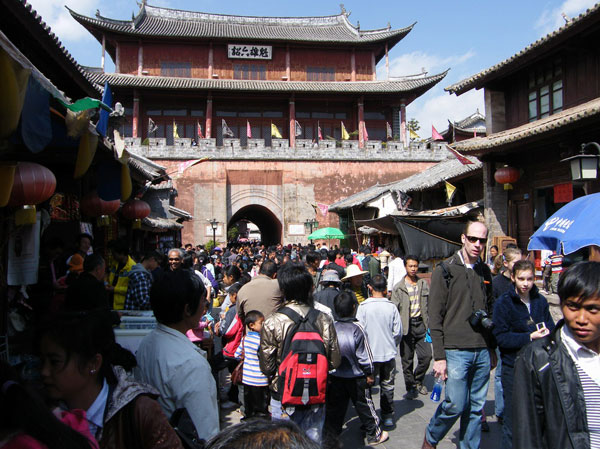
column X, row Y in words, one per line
column 448, row 169
column 164, row 82
column 153, row 21
column 532, row 130
column 542, row 45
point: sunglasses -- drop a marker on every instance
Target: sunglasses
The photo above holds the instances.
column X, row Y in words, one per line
column 173, row 259
column 472, row 239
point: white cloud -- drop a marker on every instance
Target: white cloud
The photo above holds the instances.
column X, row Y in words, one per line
column 55, row 14
column 415, row 62
column 437, row 108
column 551, row 19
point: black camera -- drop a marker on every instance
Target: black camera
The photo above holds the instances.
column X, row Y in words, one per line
column 481, row 319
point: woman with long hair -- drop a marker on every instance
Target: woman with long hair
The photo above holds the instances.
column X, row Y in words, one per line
column 84, row 368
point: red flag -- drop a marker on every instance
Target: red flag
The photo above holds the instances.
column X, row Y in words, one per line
column 320, row 134
column 248, row 130
column 463, row 160
column 435, row 135
column 200, row 135
column 365, row 133
column 324, row 208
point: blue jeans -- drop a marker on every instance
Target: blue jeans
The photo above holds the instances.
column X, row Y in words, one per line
column 466, row 391
column 498, row 396
column 310, row 419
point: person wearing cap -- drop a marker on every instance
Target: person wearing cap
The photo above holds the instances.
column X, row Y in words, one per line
column 354, row 282
column 330, row 281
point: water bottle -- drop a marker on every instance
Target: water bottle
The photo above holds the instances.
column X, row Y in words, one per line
column 436, row 394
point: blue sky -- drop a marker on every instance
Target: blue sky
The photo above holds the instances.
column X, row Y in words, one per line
column 466, row 36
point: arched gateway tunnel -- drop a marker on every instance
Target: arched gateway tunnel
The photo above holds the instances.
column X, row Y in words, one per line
column 279, row 196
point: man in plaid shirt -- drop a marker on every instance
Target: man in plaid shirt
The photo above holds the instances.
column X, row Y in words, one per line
column 140, row 281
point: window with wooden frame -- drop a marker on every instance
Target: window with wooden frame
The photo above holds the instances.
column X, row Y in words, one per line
column 545, row 91
column 320, row 73
column 176, row 69
column 249, row 72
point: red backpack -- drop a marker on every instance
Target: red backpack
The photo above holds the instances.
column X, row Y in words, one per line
column 304, row 366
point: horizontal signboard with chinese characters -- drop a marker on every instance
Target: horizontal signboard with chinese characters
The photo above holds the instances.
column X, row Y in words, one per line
column 242, row 51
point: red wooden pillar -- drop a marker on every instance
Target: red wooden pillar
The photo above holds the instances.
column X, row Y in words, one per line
column 353, row 66
column 361, row 123
column 292, row 123
column 288, row 64
column 136, row 114
column 210, row 61
column 208, row 125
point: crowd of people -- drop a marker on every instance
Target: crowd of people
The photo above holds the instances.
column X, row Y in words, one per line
column 292, row 334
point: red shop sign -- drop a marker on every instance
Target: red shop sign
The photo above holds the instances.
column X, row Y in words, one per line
column 563, row 193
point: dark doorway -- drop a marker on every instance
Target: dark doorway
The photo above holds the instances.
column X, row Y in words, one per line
column 269, row 225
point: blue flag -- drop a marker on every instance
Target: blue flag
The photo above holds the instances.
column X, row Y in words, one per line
column 102, row 124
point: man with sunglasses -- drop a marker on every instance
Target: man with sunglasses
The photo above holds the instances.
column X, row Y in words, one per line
column 459, row 300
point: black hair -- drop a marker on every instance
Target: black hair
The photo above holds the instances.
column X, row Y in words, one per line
column 331, row 255
column 171, row 292
column 348, row 258
column 523, row 265
column 252, row 317
column 268, row 268
column 312, row 257
column 344, row 304
column 378, row 283
column 296, row 283
column 119, row 246
column 86, row 334
column 152, row 255
column 82, row 236
column 257, row 433
column 494, row 246
column 580, row 281
column 234, row 288
column 234, row 272
column 23, row 410
column 244, row 278
column 91, row 262
column 410, row 257
column 188, row 260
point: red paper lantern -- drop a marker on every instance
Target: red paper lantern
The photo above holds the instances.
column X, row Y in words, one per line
column 507, row 175
column 94, row 206
column 33, row 184
column 135, row 209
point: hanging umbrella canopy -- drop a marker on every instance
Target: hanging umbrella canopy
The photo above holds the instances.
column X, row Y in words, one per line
column 572, row 227
column 327, row 233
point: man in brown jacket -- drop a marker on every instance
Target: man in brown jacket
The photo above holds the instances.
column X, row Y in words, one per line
column 411, row 296
column 262, row 293
column 296, row 284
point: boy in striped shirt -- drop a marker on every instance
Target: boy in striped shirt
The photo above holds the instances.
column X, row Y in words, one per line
column 256, row 384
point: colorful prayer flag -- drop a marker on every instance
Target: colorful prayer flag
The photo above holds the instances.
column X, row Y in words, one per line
column 248, row 130
column 345, row 135
column 365, row 133
column 389, row 133
column 413, row 134
column 324, row 208
column 298, row 130
column 435, row 135
column 102, row 125
column 200, row 135
column 225, row 130
column 175, row 133
column 151, row 126
column 463, row 160
column 275, row 131
column 450, row 191
column 320, row 133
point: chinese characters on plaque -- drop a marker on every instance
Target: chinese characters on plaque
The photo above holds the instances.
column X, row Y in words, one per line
column 249, row 51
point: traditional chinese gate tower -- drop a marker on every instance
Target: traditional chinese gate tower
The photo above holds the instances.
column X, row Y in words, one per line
column 286, row 88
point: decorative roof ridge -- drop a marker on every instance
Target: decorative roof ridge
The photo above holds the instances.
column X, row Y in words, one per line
column 99, row 17
column 471, row 82
column 388, row 29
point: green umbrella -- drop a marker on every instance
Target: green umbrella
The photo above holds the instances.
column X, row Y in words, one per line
column 327, row 233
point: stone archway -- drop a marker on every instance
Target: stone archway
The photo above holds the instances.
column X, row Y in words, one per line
column 269, row 225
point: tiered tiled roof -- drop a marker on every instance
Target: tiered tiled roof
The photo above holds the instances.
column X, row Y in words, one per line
column 539, row 47
column 153, row 21
column 473, row 124
column 417, row 85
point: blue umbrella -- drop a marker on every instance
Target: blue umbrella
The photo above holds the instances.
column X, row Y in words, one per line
column 573, row 226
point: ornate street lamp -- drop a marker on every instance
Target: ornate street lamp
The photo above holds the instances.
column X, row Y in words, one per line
column 311, row 224
column 214, row 224
column 585, row 166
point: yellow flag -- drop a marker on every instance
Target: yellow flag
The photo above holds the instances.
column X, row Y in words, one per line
column 413, row 135
column 450, row 190
column 175, row 134
column 275, row 132
column 345, row 135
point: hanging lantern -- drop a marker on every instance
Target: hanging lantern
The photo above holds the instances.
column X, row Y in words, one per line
column 33, row 184
column 136, row 210
column 94, row 206
column 507, row 175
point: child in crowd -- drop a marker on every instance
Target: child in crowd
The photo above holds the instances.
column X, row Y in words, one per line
column 256, row 384
column 502, row 282
column 521, row 315
column 354, row 377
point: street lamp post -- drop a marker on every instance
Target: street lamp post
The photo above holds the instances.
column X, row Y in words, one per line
column 214, row 224
column 311, row 224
